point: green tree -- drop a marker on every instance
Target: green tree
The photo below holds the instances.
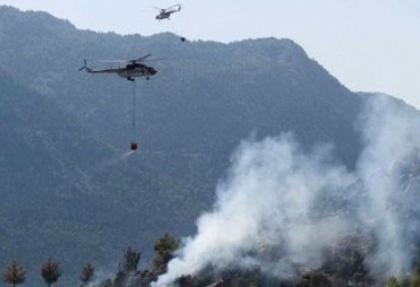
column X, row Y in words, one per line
column 87, row 274
column 393, row 282
column 14, row 274
column 50, row 272
column 164, row 248
column 131, row 259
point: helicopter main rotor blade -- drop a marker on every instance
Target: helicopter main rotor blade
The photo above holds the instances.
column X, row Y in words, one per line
column 155, row 59
column 176, row 6
column 113, row 61
column 142, row 58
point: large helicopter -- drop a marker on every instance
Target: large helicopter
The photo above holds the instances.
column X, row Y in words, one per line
column 166, row 13
column 133, row 69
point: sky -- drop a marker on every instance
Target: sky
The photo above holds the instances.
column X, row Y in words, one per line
column 369, row 45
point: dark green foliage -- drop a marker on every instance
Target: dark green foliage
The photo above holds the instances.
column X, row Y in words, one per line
column 131, row 259
column 166, row 245
column 393, row 282
column 164, row 249
column 14, row 275
column 87, row 273
column 50, row 272
column 326, row 276
column 147, row 277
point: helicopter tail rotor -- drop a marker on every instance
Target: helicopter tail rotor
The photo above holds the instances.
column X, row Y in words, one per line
column 84, row 67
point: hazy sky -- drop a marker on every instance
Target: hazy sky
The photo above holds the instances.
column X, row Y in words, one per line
column 369, row 45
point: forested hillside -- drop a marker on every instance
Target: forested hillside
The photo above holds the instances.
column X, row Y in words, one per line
column 70, row 190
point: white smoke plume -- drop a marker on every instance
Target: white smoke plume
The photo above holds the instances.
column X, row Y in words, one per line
column 275, row 198
column 392, row 141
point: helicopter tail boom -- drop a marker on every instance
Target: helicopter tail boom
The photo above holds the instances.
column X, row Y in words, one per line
column 85, row 67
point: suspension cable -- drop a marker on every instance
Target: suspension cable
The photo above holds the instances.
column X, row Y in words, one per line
column 134, row 103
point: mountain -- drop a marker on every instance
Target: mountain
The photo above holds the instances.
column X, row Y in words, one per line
column 69, row 187
column 54, row 201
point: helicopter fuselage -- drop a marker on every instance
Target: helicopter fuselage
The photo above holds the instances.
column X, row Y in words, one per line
column 164, row 15
column 129, row 72
column 132, row 71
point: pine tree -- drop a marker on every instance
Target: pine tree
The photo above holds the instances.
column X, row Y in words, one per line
column 164, row 248
column 132, row 259
column 14, row 275
column 51, row 272
column 87, row 274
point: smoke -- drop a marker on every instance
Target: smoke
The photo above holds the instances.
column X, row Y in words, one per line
column 392, row 142
column 280, row 207
column 100, row 278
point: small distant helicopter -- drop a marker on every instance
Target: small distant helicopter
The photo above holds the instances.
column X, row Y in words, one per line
column 133, row 69
column 166, row 13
